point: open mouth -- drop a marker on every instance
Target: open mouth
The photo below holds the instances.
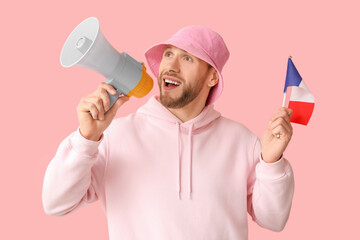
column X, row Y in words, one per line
column 170, row 83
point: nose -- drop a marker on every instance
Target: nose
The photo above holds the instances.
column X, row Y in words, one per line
column 173, row 65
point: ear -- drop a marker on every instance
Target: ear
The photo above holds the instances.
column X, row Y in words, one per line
column 214, row 78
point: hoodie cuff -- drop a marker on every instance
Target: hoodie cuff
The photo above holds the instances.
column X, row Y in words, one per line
column 271, row 170
column 83, row 145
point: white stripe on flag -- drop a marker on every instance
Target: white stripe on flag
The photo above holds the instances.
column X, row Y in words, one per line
column 301, row 94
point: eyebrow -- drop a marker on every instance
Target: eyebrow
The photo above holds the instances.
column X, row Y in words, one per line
column 183, row 52
column 169, row 47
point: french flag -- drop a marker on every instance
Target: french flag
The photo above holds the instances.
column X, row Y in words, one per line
column 301, row 101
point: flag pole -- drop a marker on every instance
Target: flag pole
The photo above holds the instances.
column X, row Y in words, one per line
column 283, row 105
column 284, row 99
column 278, row 134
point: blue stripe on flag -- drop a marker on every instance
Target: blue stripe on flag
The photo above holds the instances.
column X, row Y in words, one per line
column 293, row 77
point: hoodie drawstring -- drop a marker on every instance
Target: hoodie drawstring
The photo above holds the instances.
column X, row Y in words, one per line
column 179, row 159
column 162, row 117
column 190, row 159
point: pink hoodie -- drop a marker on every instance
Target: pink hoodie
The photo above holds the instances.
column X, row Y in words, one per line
column 158, row 178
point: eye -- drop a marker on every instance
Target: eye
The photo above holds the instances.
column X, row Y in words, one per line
column 188, row 58
column 167, row 54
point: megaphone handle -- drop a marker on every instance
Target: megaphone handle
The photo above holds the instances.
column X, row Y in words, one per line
column 113, row 98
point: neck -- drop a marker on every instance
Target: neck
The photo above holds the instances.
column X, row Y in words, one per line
column 189, row 111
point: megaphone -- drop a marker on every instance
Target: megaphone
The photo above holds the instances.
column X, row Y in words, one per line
column 87, row 47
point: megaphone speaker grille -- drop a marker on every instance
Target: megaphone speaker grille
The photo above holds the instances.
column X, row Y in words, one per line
column 79, row 42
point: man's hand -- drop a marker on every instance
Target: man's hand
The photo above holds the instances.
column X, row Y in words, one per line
column 277, row 135
column 92, row 126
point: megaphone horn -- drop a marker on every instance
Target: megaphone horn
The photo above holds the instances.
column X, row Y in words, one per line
column 87, row 47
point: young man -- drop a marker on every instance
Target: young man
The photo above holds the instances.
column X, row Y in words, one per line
column 175, row 169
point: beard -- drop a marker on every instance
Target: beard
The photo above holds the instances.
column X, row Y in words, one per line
column 188, row 94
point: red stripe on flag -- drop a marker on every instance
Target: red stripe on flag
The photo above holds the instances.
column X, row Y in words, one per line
column 301, row 111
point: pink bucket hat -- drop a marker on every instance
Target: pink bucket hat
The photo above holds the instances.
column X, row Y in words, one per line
column 199, row 41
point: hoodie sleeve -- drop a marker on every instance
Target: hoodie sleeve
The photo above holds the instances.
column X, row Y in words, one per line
column 270, row 191
column 74, row 176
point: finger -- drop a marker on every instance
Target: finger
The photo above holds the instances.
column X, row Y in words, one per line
column 282, row 132
column 282, row 122
column 105, row 99
column 119, row 102
column 90, row 107
column 86, row 106
column 82, row 106
column 107, row 87
column 289, row 111
column 281, row 113
column 97, row 102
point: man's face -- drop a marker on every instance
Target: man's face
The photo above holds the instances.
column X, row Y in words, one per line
column 181, row 78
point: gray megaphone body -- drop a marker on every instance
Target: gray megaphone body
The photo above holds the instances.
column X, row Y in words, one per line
column 87, row 47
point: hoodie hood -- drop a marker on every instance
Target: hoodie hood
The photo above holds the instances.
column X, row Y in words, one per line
column 154, row 109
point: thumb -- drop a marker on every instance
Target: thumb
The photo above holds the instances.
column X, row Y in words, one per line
column 119, row 102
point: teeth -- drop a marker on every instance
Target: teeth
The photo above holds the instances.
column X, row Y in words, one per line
column 172, row 82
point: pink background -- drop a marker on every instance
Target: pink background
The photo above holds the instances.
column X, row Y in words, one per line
column 39, row 99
